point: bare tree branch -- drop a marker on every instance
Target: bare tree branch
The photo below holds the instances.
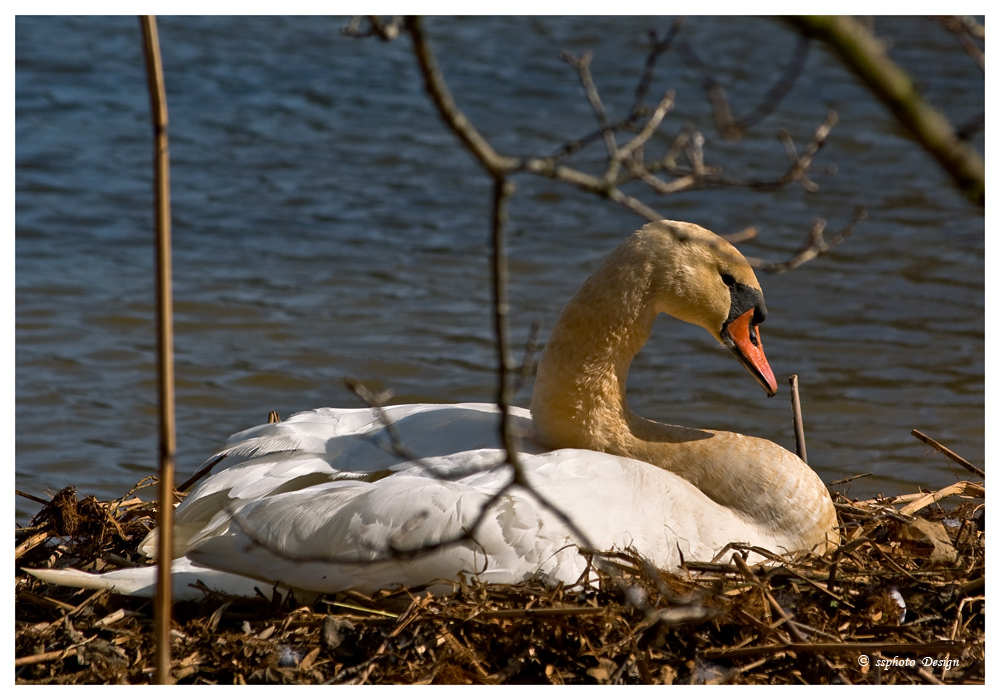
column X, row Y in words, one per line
column 965, row 30
column 384, row 30
column 701, row 176
column 502, row 190
column 634, row 147
column 582, row 66
column 727, row 126
column 866, row 57
column 749, row 233
column 638, row 109
column 528, row 360
column 494, row 163
column 972, row 127
column 659, row 47
column 780, row 89
column 814, row 246
column 397, row 446
column 690, row 142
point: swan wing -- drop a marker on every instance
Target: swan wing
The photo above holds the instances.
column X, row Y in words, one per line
column 355, row 534
column 351, row 443
column 352, row 534
column 328, row 444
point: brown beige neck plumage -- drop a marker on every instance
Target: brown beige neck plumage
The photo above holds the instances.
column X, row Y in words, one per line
column 580, row 401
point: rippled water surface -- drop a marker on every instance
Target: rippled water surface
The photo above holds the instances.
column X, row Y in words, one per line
column 326, row 224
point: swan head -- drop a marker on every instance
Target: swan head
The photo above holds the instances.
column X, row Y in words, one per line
column 701, row 278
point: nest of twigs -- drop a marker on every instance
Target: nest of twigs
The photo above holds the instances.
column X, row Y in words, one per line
column 901, row 601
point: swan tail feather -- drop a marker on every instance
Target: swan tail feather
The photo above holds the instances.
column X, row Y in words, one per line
column 135, row 580
column 188, row 581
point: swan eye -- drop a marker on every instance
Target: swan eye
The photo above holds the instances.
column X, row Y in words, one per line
column 728, row 280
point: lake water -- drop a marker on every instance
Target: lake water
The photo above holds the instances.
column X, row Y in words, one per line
column 327, row 225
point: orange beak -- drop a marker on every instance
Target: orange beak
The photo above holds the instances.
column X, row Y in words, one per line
column 746, row 345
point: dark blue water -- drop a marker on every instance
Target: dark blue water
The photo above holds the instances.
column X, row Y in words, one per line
column 326, row 224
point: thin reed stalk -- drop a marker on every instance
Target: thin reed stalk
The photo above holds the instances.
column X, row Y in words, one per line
column 800, row 433
column 165, row 343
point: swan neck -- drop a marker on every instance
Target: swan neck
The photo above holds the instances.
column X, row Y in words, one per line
column 579, row 398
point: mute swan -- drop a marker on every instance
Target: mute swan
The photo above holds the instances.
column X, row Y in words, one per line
column 315, row 503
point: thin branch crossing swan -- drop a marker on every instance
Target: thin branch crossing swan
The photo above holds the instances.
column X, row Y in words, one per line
column 322, row 502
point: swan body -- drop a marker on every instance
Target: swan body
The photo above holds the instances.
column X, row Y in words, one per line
column 324, row 501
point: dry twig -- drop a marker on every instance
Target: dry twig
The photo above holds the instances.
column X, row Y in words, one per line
column 802, row 620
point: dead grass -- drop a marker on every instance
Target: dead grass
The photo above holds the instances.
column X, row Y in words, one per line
column 802, row 621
